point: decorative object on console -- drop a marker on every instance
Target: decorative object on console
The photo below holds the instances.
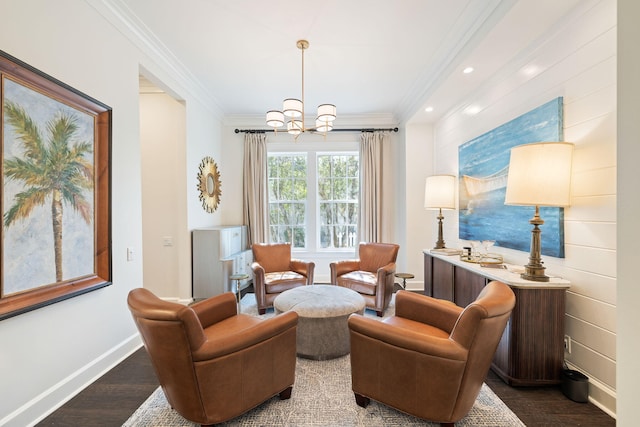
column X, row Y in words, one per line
column 539, row 175
column 209, row 184
column 483, row 168
column 294, row 110
column 440, row 193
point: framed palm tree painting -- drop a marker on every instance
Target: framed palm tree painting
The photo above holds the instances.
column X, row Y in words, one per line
column 55, row 190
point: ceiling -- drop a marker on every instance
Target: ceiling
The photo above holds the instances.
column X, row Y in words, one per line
column 374, row 59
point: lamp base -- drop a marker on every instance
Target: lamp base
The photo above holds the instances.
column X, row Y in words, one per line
column 535, row 273
column 535, row 270
column 440, row 241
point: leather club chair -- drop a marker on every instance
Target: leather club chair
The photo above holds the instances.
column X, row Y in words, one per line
column 274, row 271
column 431, row 358
column 214, row 364
column 371, row 275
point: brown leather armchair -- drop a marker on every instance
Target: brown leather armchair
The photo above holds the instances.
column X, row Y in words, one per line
column 371, row 275
column 274, row 271
column 214, row 364
column 431, row 358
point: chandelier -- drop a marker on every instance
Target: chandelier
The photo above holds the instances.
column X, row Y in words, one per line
column 293, row 110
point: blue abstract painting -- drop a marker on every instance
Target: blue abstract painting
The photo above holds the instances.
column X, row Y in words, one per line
column 483, row 169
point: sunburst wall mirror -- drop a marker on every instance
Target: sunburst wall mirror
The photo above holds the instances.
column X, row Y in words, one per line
column 209, row 184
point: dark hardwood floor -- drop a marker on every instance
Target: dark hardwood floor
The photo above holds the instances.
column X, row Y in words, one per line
column 112, row 399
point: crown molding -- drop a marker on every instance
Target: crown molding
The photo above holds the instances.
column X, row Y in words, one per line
column 118, row 14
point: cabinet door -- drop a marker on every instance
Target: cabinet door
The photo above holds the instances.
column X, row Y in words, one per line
column 467, row 286
column 442, row 281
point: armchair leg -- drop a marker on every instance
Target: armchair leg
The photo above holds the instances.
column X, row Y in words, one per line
column 379, row 313
column 361, row 400
column 262, row 311
column 447, row 425
column 286, row 393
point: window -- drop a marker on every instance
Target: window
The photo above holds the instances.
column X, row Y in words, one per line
column 338, row 190
column 313, row 199
column 288, row 198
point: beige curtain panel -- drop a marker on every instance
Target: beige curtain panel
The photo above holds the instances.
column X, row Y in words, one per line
column 370, row 221
column 255, row 206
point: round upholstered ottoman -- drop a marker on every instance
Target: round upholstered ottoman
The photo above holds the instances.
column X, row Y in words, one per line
column 322, row 310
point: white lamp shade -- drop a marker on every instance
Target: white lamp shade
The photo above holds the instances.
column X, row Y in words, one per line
column 540, row 174
column 322, row 126
column 275, row 118
column 326, row 112
column 440, row 192
column 294, row 127
column 292, row 107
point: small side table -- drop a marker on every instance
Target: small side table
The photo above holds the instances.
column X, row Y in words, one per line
column 404, row 277
column 237, row 278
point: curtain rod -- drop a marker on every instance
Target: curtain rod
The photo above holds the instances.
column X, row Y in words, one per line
column 334, row 130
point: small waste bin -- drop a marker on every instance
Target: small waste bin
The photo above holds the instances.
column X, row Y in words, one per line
column 575, row 385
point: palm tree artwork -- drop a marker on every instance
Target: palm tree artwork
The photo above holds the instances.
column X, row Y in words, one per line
column 53, row 170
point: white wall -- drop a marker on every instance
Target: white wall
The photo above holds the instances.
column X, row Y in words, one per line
column 164, row 200
column 578, row 62
column 49, row 354
column 628, row 319
column 419, row 164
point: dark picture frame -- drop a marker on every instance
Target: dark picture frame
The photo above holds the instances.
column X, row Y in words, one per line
column 55, row 239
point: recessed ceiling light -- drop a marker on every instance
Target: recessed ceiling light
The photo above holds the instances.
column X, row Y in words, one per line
column 530, row 70
column 472, row 110
column 468, row 70
column 428, row 109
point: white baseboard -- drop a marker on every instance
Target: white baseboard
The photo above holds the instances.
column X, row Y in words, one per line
column 49, row 400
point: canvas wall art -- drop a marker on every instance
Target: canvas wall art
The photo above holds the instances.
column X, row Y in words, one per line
column 55, row 235
column 483, row 170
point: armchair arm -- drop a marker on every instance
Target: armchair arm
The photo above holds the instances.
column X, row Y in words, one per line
column 258, row 283
column 257, row 268
column 261, row 331
column 387, row 269
column 345, row 266
column 386, row 272
column 302, row 267
column 214, row 309
column 432, row 311
column 407, row 339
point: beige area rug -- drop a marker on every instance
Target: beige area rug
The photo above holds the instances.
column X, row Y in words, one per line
column 322, row 396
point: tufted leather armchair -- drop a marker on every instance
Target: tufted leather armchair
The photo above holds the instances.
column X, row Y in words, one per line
column 214, row 364
column 371, row 275
column 274, row 271
column 431, row 358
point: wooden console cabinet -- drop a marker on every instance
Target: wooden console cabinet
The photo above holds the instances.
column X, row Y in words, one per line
column 531, row 350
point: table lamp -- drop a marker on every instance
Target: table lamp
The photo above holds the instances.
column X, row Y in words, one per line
column 440, row 193
column 539, row 175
